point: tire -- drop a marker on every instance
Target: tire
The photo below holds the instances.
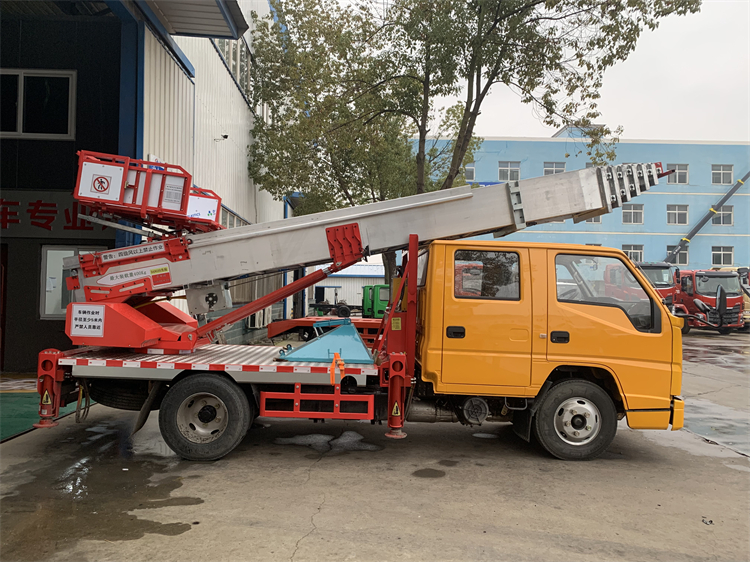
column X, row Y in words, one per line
column 562, row 405
column 208, row 433
column 725, row 331
column 122, row 394
column 685, row 329
column 343, row 312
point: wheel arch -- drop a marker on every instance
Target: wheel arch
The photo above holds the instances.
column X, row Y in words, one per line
column 599, row 375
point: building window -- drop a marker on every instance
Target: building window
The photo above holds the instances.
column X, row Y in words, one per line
column 593, row 244
column 469, row 172
column 486, row 275
column 632, row 213
column 595, row 220
column 237, row 58
column 680, row 174
column 677, row 214
column 230, row 219
column 54, row 295
column 724, row 216
column 722, row 255
column 551, row 168
column 681, row 258
column 633, row 251
column 589, row 165
column 721, row 174
column 38, row 104
column 509, row 171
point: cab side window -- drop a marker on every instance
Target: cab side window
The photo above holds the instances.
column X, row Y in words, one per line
column 486, row 275
column 605, row 281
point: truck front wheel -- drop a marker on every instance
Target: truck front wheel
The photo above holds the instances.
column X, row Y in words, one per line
column 576, row 420
column 204, row 416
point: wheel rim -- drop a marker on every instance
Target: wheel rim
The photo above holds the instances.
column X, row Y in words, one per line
column 577, row 421
column 202, row 418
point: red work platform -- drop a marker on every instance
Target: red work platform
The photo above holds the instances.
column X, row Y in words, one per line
column 146, row 192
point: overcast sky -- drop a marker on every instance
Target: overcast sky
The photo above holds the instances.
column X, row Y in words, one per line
column 688, row 80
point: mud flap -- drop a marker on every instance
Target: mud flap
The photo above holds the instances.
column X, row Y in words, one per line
column 522, row 424
column 522, row 418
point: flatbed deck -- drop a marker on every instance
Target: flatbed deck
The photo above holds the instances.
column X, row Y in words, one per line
column 244, row 363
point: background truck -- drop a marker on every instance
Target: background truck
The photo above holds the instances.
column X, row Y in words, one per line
column 542, row 351
column 662, row 277
column 375, row 299
column 696, row 296
column 322, row 306
column 745, row 287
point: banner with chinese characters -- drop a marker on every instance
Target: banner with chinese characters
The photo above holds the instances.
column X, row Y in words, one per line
column 46, row 214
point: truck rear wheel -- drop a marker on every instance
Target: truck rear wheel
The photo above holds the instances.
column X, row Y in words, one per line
column 685, row 328
column 204, row 416
column 576, row 420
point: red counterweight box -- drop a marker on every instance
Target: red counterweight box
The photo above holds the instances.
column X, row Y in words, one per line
column 150, row 192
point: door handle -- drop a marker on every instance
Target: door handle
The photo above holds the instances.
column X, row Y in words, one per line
column 559, row 337
column 455, row 332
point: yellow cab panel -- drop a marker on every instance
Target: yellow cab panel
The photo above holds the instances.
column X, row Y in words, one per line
column 496, row 318
column 602, row 313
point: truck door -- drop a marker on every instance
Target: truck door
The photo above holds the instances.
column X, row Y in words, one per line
column 591, row 323
column 487, row 317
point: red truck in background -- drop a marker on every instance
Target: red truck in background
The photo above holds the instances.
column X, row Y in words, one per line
column 681, row 289
column 662, row 277
column 702, row 286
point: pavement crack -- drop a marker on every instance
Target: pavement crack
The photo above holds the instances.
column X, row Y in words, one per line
column 311, row 531
column 712, row 391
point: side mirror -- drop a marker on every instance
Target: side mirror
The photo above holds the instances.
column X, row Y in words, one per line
column 721, row 301
column 677, row 275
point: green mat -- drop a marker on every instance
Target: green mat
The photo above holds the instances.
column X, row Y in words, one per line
column 19, row 410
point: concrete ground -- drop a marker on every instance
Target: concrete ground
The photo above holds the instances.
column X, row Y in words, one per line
column 298, row 491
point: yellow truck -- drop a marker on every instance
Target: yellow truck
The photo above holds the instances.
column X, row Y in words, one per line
column 548, row 343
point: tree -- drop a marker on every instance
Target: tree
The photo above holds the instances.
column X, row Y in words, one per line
column 311, row 142
column 552, row 52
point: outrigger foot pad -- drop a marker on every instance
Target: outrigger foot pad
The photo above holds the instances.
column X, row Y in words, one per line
column 396, row 434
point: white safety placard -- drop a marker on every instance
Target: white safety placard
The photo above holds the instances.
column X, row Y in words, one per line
column 87, row 320
column 132, row 252
column 159, row 275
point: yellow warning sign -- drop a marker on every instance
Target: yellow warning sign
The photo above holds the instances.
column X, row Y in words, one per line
column 396, row 410
column 395, row 324
column 47, row 400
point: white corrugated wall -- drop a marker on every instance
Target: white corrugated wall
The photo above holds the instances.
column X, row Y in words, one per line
column 168, row 107
column 184, row 121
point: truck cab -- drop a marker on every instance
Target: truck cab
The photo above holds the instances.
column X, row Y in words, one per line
column 375, row 300
column 702, row 285
column 743, row 273
column 662, row 277
column 538, row 315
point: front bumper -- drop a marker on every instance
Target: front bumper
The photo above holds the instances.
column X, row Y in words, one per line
column 677, row 417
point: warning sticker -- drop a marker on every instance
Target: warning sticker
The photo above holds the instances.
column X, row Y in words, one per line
column 395, row 324
column 127, row 253
column 87, row 320
column 100, row 184
column 159, row 275
column 396, row 410
column 46, row 398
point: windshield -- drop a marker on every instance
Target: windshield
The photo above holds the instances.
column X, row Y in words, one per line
column 706, row 285
column 661, row 276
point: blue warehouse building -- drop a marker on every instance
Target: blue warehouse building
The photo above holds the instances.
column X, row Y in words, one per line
column 653, row 223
